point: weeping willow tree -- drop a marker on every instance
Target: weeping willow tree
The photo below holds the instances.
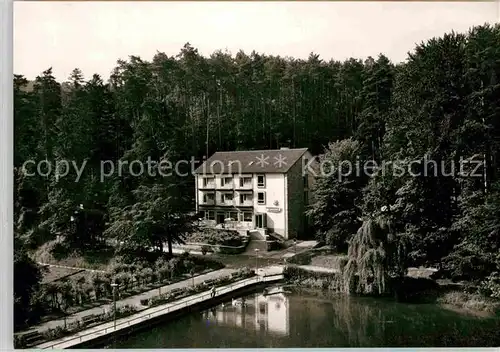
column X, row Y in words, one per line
column 376, row 254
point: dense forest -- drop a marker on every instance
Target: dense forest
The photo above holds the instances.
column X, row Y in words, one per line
column 441, row 104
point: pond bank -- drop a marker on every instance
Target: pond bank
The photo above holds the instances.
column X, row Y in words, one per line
column 409, row 289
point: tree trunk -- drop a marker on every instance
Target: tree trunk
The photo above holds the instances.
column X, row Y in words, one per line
column 170, row 246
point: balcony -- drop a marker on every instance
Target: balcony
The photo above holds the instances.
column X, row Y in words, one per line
column 227, row 202
column 245, row 183
column 207, row 199
column 226, row 183
column 207, row 202
column 244, row 199
column 208, row 183
column 245, row 203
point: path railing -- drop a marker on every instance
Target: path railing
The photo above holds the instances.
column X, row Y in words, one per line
column 161, row 310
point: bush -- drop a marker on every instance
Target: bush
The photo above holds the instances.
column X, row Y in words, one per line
column 311, row 279
column 216, row 237
column 273, row 245
column 19, row 342
column 491, row 286
column 54, row 333
column 243, row 273
column 125, row 310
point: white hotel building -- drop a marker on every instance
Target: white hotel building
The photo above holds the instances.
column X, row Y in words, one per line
column 262, row 190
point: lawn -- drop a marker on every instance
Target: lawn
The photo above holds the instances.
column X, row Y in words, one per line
column 331, row 261
column 99, row 259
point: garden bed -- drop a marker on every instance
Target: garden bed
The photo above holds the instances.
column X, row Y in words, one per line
column 88, row 289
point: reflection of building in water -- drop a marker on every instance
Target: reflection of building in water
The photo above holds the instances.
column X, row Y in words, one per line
column 272, row 313
column 264, row 313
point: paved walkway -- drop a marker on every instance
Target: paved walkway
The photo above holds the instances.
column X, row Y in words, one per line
column 70, row 267
column 319, row 269
column 133, row 300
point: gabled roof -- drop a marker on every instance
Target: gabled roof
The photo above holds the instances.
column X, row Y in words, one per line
column 251, row 161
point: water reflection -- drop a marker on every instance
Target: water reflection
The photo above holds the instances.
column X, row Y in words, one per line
column 260, row 313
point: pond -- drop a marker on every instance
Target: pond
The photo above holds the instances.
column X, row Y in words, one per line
column 293, row 320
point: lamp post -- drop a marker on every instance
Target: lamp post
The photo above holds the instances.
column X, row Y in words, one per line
column 114, row 285
column 192, row 276
column 256, row 260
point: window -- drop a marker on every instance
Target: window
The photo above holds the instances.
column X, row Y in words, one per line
column 261, row 198
column 226, row 197
column 245, row 198
column 245, row 181
column 210, row 215
column 207, row 181
column 247, row 216
column 208, row 197
column 261, row 181
column 262, row 308
column 225, row 181
column 232, row 215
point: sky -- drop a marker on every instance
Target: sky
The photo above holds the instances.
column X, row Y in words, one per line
column 94, row 35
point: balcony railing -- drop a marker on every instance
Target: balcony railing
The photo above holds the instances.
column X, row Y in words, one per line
column 207, row 202
column 233, row 225
column 229, row 185
column 245, row 185
column 246, row 203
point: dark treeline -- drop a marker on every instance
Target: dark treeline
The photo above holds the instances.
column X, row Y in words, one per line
column 441, row 104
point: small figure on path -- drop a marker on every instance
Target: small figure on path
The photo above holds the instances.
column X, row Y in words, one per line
column 213, row 292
